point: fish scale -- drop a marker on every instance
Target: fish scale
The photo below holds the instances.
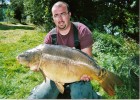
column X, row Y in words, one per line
column 63, row 64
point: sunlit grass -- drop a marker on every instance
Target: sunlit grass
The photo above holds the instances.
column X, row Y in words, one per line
column 16, row 80
column 10, row 36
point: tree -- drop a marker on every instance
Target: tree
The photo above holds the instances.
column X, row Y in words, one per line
column 117, row 16
column 3, row 7
column 18, row 7
column 36, row 9
column 9, row 14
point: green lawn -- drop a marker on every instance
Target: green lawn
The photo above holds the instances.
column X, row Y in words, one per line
column 116, row 54
column 16, row 80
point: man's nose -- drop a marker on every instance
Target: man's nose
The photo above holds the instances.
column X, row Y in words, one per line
column 60, row 17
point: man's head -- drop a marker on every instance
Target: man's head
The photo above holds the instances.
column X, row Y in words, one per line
column 61, row 15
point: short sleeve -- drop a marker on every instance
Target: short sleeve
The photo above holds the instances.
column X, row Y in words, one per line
column 48, row 39
column 85, row 36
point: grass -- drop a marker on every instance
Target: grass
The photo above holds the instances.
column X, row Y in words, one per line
column 16, row 80
column 114, row 53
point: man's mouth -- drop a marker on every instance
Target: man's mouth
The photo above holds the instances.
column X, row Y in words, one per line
column 61, row 23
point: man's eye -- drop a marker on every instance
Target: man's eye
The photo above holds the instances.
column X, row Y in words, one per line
column 56, row 15
column 63, row 14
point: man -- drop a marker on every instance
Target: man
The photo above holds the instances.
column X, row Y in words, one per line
column 65, row 36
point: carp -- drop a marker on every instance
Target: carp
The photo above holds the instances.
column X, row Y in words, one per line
column 64, row 64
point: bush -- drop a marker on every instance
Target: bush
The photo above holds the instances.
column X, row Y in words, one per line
column 121, row 56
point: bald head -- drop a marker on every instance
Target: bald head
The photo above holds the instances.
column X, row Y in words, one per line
column 60, row 4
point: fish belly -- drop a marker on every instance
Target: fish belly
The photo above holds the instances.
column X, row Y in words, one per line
column 64, row 70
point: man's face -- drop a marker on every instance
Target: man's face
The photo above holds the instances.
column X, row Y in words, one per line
column 61, row 16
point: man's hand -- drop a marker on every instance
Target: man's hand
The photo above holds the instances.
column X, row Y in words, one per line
column 85, row 78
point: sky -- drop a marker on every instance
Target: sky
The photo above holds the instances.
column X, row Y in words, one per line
column 7, row 1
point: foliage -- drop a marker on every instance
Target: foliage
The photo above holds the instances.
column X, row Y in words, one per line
column 111, row 16
column 9, row 14
column 3, row 7
column 119, row 55
column 35, row 9
column 18, row 7
column 1, row 14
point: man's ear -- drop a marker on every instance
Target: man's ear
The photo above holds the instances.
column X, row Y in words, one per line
column 70, row 14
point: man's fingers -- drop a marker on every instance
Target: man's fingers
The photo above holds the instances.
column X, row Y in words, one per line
column 85, row 78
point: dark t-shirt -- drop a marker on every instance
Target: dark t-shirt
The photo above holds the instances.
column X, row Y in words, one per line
column 84, row 35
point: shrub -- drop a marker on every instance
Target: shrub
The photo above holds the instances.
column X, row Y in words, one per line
column 121, row 56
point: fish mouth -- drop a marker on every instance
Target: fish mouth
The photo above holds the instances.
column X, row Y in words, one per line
column 22, row 60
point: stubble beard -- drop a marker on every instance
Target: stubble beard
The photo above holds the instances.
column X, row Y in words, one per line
column 62, row 27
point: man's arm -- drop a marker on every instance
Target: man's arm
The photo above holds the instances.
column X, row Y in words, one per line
column 89, row 52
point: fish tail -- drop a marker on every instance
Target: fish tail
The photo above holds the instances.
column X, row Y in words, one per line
column 108, row 81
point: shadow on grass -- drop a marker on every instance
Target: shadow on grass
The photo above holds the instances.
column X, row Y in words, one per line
column 9, row 27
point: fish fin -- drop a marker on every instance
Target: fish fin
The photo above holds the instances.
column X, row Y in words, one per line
column 108, row 81
column 43, row 74
column 60, row 86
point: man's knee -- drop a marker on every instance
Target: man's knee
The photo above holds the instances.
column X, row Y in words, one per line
column 83, row 90
column 44, row 91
